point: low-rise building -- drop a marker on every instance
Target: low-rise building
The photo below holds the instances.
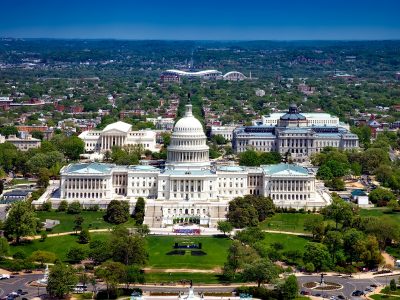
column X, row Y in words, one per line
column 118, row 134
column 225, row 131
column 24, row 143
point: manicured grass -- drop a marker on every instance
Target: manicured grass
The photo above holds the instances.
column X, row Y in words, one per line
column 293, row 222
column 380, row 212
column 175, row 277
column 215, row 247
column 92, row 220
column 59, row 245
column 383, row 297
column 289, row 242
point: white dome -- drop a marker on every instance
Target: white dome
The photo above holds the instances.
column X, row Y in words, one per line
column 188, row 148
column 188, row 123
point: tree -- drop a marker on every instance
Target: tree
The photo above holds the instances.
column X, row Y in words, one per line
column 290, row 288
column 324, row 173
column 74, row 208
column 315, row 224
column 339, row 211
column 112, row 273
column 241, row 213
column 78, row 221
column 224, row 226
column 63, row 206
column 76, row 254
column 84, row 236
column 381, row 196
column 309, row 267
column 43, row 178
column 72, row 147
column 99, row 251
column 43, row 257
column 61, row 281
column 264, row 206
column 143, row 230
column 128, row 248
column 4, row 247
column 334, row 242
column 318, row 255
column 354, row 245
column 393, row 285
column 21, row 220
column 260, row 271
column 1, row 186
column 238, row 256
column 117, row 212
column 46, row 206
column 37, row 134
column 249, row 158
column 139, row 211
column 134, row 275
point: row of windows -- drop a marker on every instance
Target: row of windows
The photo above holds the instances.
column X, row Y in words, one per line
column 85, row 195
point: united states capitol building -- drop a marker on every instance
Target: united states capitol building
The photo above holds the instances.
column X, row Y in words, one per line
column 295, row 134
column 189, row 186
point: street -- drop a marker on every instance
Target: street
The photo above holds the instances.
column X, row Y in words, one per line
column 349, row 285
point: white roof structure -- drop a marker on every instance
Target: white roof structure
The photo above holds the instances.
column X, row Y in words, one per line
column 194, row 74
column 120, row 126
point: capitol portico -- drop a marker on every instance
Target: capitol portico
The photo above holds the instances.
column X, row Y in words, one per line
column 189, row 188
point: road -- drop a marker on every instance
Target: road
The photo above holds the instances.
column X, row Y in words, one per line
column 349, row 285
column 21, row 282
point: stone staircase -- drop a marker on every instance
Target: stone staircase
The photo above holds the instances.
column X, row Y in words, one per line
column 153, row 216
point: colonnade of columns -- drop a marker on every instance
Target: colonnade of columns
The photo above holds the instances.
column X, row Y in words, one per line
column 107, row 142
column 292, row 186
column 198, row 156
column 186, row 185
column 85, row 184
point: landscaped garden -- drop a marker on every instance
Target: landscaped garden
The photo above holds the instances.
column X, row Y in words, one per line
column 213, row 252
column 92, row 220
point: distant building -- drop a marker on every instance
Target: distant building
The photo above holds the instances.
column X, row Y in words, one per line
column 24, row 143
column 234, row 76
column 16, row 195
column 118, row 134
column 295, row 135
column 225, row 131
column 162, row 123
column 360, row 197
column 5, row 103
column 206, row 74
column 398, row 75
column 260, row 93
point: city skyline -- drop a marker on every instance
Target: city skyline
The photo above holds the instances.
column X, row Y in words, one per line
column 254, row 20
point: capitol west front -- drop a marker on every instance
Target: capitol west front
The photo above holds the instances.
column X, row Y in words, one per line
column 189, row 187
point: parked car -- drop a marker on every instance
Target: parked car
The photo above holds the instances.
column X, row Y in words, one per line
column 4, row 276
column 304, row 293
column 357, row 293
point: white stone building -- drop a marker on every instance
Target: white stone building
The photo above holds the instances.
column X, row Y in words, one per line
column 295, row 134
column 118, row 134
column 225, row 131
column 24, row 143
column 188, row 187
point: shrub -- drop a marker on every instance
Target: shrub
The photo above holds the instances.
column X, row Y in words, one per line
column 62, row 206
column 46, row 206
column 19, row 255
column 74, row 207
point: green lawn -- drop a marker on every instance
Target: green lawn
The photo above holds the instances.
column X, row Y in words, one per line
column 383, row 297
column 59, row 245
column 380, row 212
column 92, row 220
column 289, row 242
column 293, row 222
column 175, row 277
column 215, row 248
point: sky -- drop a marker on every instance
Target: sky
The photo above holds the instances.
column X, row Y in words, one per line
column 202, row 19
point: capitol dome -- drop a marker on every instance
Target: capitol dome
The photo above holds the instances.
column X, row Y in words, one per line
column 188, row 124
column 188, row 148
